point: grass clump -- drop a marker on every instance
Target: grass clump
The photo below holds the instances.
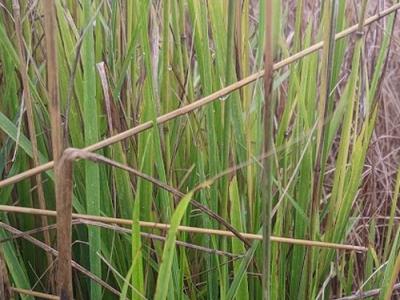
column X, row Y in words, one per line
column 295, row 153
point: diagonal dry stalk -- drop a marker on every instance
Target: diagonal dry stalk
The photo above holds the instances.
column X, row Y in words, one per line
column 368, row 294
column 203, row 101
column 64, row 213
column 157, row 237
column 57, row 254
column 120, row 229
column 31, row 124
column 39, row 295
column 189, row 229
column 77, row 153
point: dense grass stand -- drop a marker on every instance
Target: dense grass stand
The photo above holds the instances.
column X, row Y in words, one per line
column 159, row 161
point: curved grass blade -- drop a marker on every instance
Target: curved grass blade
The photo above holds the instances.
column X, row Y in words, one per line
column 164, row 274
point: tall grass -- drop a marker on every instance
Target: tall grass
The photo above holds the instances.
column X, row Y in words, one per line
column 300, row 144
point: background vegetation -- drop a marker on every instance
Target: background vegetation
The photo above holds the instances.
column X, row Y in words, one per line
column 122, row 63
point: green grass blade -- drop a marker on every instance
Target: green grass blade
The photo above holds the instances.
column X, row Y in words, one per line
column 164, row 274
column 237, row 246
column 92, row 174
